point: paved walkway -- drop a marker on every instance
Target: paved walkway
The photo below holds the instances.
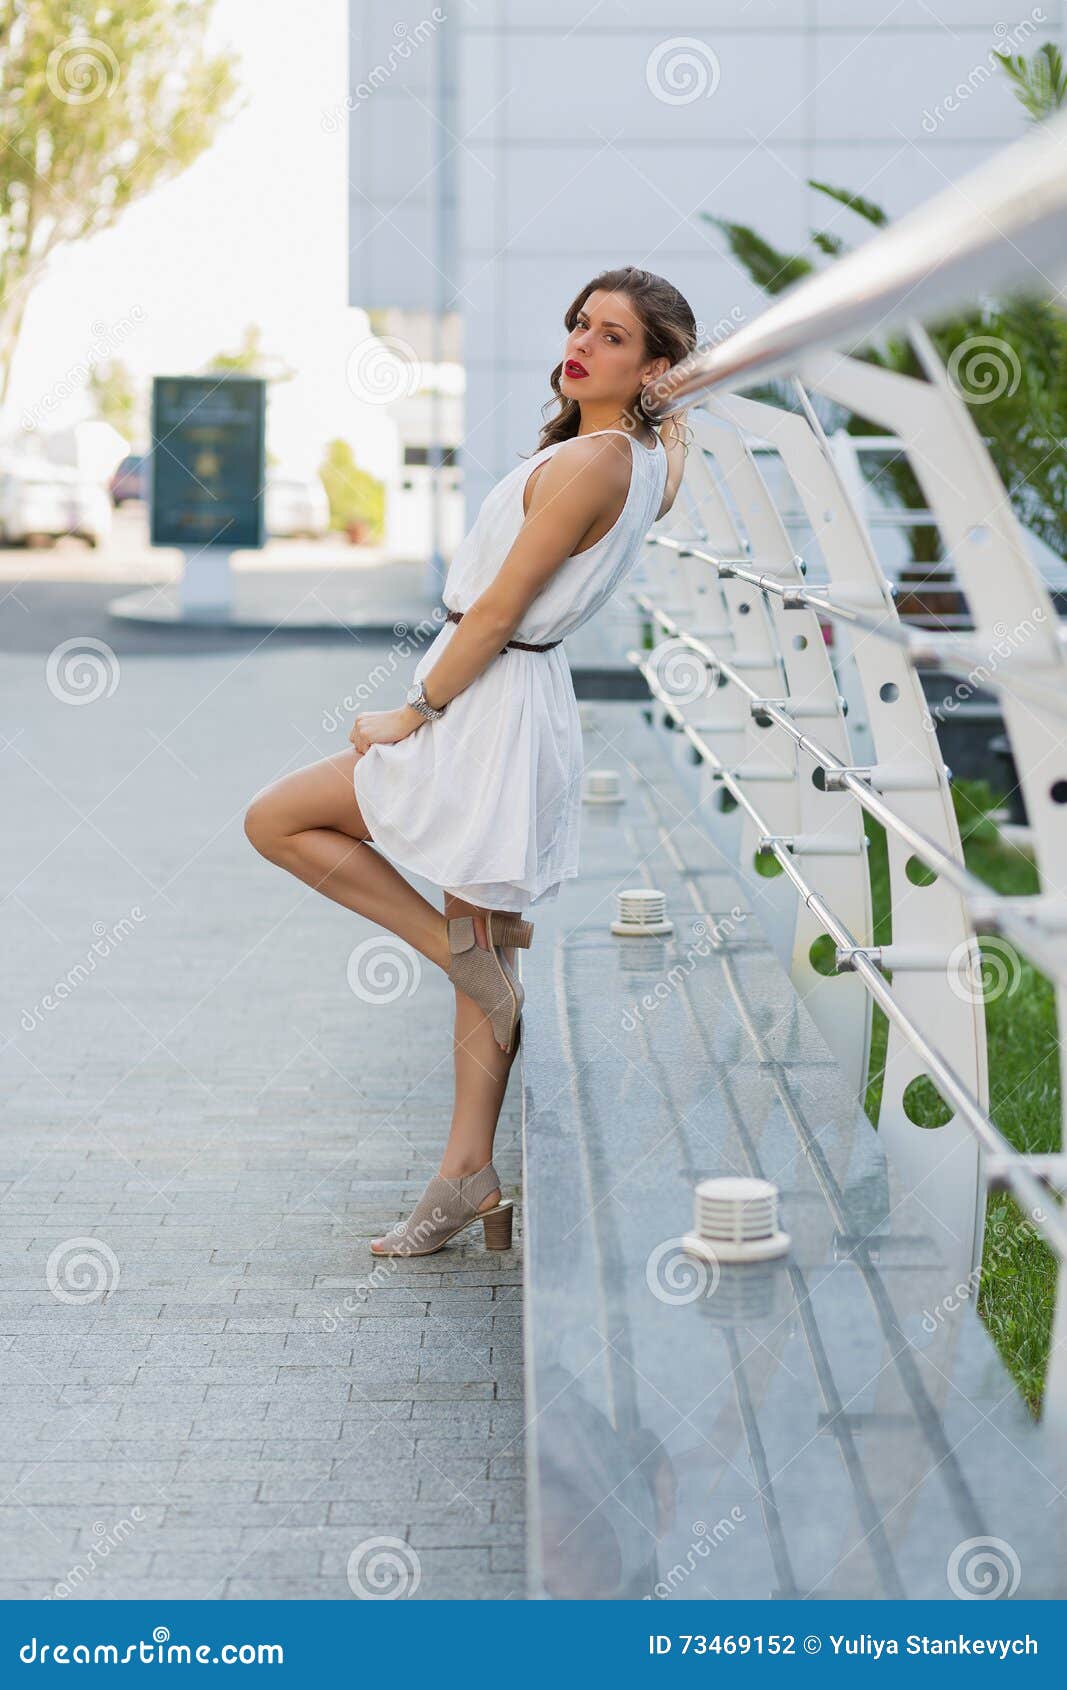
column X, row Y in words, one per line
column 209, row 1386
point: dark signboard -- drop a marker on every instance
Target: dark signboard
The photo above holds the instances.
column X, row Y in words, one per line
column 207, row 461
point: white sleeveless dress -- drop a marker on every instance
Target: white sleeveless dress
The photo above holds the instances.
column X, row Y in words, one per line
column 486, row 801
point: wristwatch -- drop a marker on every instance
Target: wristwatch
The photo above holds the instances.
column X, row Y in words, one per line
column 418, row 701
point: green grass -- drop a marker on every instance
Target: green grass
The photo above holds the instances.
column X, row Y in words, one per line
column 1018, row 1285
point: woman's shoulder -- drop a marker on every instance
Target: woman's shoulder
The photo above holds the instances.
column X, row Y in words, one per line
column 601, row 446
column 607, row 458
column 602, row 460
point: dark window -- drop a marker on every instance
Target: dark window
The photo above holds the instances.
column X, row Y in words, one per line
column 421, row 455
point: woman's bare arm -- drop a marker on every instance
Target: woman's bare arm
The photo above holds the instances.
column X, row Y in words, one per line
column 572, row 490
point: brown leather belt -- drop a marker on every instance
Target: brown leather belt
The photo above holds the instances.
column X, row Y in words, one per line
column 521, row 645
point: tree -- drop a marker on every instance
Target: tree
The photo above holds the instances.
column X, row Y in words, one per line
column 98, row 105
column 250, row 358
column 355, row 496
column 112, row 390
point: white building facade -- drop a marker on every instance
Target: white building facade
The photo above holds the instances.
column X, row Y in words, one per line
column 503, row 154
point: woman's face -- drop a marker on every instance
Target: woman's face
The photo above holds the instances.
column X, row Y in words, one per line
column 604, row 357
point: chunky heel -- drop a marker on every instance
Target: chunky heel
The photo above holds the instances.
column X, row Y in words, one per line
column 512, row 930
column 496, row 1225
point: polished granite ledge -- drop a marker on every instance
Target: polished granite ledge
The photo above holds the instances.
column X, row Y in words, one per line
column 823, row 1425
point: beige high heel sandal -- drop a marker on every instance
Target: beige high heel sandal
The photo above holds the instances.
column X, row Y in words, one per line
column 484, row 975
column 446, row 1207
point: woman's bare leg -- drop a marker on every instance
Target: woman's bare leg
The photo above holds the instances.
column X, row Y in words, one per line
column 310, row 823
column 482, row 1070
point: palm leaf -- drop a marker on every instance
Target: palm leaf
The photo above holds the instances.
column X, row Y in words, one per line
column 853, row 202
column 1040, row 83
column 770, row 269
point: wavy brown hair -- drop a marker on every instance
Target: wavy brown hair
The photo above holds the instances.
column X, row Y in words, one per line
column 669, row 328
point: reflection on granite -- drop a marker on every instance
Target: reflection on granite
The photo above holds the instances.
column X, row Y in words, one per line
column 834, row 1423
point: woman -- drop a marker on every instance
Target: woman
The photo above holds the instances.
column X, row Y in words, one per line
column 474, row 782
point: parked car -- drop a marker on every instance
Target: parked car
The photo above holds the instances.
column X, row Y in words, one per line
column 92, row 518
column 43, row 501
column 296, row 507
column 130, row 480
